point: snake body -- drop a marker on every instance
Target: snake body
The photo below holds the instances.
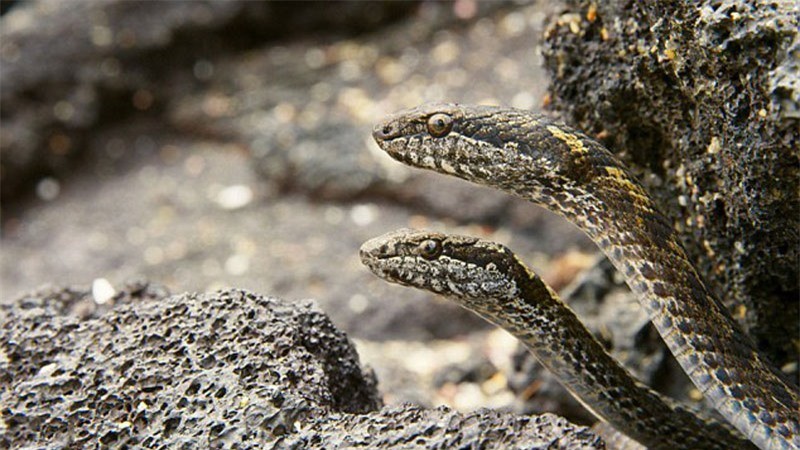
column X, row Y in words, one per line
column 489, row 280
column 550, row 164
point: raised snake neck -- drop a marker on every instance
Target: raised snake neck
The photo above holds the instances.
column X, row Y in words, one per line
column 487, row 279
column 555, row 166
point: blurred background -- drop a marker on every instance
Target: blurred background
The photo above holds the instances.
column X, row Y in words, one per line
column 207, row 144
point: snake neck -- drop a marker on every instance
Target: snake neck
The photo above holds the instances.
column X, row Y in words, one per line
column 534, row 314
column 711, row 348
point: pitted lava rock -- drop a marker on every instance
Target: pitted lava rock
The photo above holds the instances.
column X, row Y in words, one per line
column 208, row 369
column 230, row 369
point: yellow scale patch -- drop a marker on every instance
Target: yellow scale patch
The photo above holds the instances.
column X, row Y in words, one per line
column 615, row 174
column 573, row 142
column 618, row 176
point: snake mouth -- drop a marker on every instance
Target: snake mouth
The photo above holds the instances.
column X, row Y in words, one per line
column 374, row 257
column 369, row 250
column 372, row 252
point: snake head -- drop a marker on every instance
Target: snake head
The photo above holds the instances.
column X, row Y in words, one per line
column 463, row 267
column 489, row 145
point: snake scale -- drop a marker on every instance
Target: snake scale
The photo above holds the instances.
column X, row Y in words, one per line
column 488, row 279
column 550, row 164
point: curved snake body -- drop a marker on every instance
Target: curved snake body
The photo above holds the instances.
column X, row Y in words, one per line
column 555, row 166
column 489, row 280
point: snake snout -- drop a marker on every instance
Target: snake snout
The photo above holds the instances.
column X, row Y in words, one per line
column 384, row 246
column 365, row 255
column 371, row 250
column 385, row 130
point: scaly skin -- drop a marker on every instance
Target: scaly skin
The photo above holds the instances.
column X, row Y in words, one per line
column 567, row 172
column 488, row 279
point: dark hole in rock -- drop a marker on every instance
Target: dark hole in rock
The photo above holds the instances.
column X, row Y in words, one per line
column 171, row 424
column 124, row 367
column 217, row 429
column 208, row 362
column 109, row 438
column 193, row 388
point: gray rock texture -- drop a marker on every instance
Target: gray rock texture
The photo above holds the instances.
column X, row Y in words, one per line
column 225, row 370
column 408, row 426
column 212, row 369
column 702, row 99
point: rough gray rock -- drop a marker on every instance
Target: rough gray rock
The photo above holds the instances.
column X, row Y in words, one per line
column 197, row 370
column 225, row 370
column 408, row 426
column 702, row 99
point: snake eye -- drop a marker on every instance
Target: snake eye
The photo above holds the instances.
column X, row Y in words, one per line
column 439, row 125
column 430, row 249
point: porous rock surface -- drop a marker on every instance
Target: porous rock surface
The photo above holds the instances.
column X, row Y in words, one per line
column 209, row 369
column 702, row 100
column 230, row 369
column 408, row 426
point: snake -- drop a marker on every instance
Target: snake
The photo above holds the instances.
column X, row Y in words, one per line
column 555, row 166
column 490, row 280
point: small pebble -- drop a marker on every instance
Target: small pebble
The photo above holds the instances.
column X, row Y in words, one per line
column 102, row 291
